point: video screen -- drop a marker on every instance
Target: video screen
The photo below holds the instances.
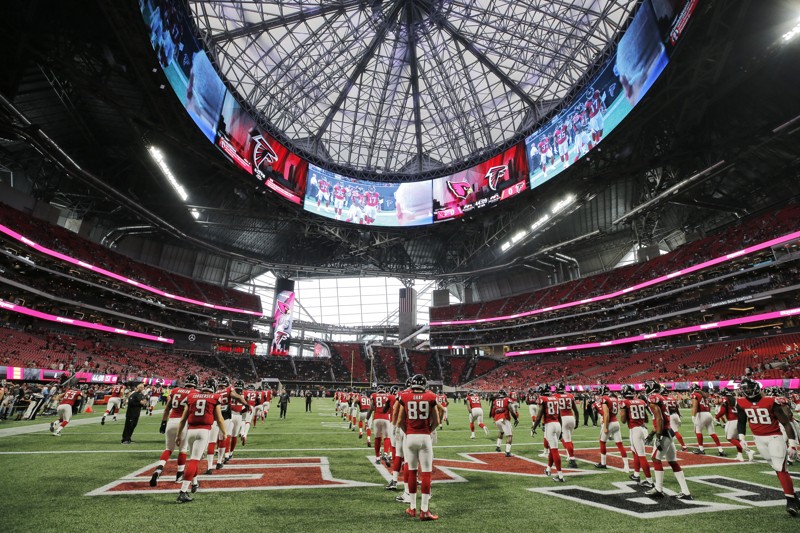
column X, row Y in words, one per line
column 258, row 154
column 641, row 56
column 367, row 202
column 483, row 185
column 185, row 64
column 282, row 325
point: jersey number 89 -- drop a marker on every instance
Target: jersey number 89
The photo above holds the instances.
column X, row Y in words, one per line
column 418, row 411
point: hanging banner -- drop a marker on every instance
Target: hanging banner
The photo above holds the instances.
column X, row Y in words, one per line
column 282, row 326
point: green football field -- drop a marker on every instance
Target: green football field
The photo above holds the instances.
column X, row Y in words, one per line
column 86, row 480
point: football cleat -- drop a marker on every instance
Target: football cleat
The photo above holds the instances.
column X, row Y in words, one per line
column 427, row 515
column 486, row 430
column 750, row 454
column 103, row 421
column 544, row 453
column 227, row 459
column 547, row 471
column 369, row 444
column 244, row 440
column 721, row 453
column 682, row 496
column 698, row 451
column 52, row 427
column 219, row 466
column 497, row 448
column 183, row 497
column 387, row 461
column 377, row 460
column 178, row 477
column 472, row 437
column 360, row 435
column 195, row 485
column 403, row 498
column 392, row 485
column 684, row 449
column 154, row 478
column 634, row 477
column 411, row 512
column 646, row 484
column 508, row 454
column 601, row 466
column 56, row 434
column 557, row 479
column 209, row 472
column 572, row 463
column 654, row 493
column 793, row 507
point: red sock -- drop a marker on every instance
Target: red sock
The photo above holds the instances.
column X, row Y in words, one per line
column 369, row 432
column 786, row 483
column 360, row 424
column 482, row 425
column 425, row 481
column 621, row 449
column 635, row 462
column 658, row 466
column 191, row 470
column 680, row 439
column 645, row 466
column 570, row 449
column 377, row 447
column 405, row 474
column 716, row 439
column 165, row 455
column 181, row 460
column 387, row 446
column 234, row 440
column 675, row 466
column 546, row 444
column 472, row 427
column 212, row 447
column 396, row 462
column 411, row 481
column 603, row 448
column 736, row 443
column 699, row 439
column 64, row 424
column 556, row 458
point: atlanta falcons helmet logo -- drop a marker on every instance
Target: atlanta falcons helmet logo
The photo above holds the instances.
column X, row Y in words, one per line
column 494, row 175
column 283, row 307
column 263, row 152
column 459, row 189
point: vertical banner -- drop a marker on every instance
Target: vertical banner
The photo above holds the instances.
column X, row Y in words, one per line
column 321, row 350
column 282, row 326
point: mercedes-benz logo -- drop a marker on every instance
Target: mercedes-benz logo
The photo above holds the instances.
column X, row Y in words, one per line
column 192, row 337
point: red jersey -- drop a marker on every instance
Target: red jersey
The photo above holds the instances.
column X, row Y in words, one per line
column 201, row 409
column 323, row 185
column 613, row 407
column 373, row 199
column 549, row 406
column 577, row 121
column 661, row 402
column 593, row 106
column 224, row 398
column 236, row 405
column 419, row 407
column 364, row 403
column 117, row 390
column 70, row 397
column 473, row 401
column 532, row 398
column 251, row 395
column 177, row 401
column 761, row 415
column 339, row 192
column 383, row 402
column 156, row 391
column 267, row 395
column 353, row 398
column 672, row 404
column 441, row 399
column 727, row 409
column 355, row 197
column 560, row 135
column 501, row 408
column 702, row 402
column 636, row 411
column 544, row 146
column 566, row 402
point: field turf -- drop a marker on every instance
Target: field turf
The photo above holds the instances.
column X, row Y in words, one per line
column 45, row 482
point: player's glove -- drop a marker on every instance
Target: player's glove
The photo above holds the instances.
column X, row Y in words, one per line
column 793, row 451
column 516, row 422
column 163, row 428
column 434, row 437
column 533, row 432
column 649, row 439
column 658, row 442
column 694, row 421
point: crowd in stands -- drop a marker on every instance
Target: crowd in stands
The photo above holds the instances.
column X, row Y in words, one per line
column 68, row 243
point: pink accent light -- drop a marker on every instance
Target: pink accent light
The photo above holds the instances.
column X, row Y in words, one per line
column 655, row 281
column 58, row 255
column 661, row 334
column 81, row 323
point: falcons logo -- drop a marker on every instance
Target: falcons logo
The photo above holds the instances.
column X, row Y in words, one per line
column 459, row 189
column 494, row 175
column 263, row 152
column 283, row 308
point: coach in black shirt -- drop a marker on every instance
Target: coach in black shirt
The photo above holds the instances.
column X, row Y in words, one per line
column 135, row 403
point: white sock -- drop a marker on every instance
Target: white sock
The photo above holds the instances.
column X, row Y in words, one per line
column 498, row 443
column 472, row 435
column 413, row 503
column 682, row 482
column 185, row 486
column 394, row 476
column 602, row 458
column 659, row 480
column 508, row 448
column 426, row 498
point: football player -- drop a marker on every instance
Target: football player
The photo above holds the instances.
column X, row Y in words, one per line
column 610, row 428
column 380, row 410
column 532, row 399
column 675, row 418
column 503, row 410
column 170, row 420
column 399, row 451
column 237, row 407
column 442, row 402
column 254, row 398
column 364, row 404
column 569, row 419
column 417, row 410
column 475, row 410
column 633, row 411
column 549, row 413
column 595, row 108
column 114, row 402
column 702, row 420
column 664, row 448
column 66, row 402
column 202, row 410
column 155, row 394
column 765, row 416
column 728, row 411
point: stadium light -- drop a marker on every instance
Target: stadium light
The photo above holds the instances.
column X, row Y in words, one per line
column 791, row 34
column 158, row 157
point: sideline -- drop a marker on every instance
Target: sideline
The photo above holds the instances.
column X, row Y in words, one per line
column 45, row 427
